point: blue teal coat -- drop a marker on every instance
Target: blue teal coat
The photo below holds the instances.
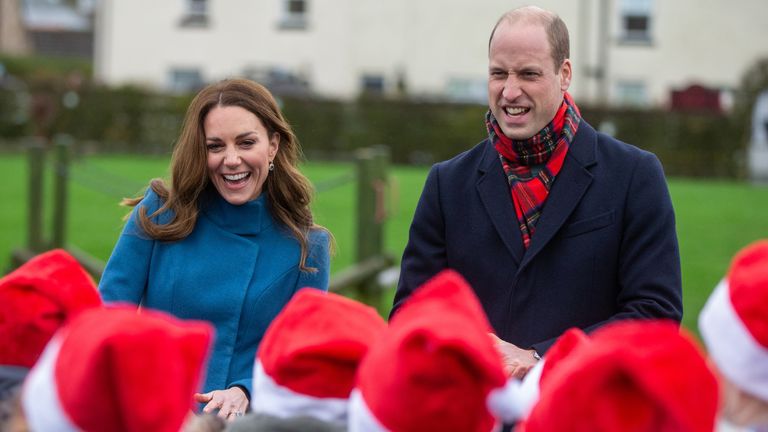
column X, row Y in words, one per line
column 237, row 269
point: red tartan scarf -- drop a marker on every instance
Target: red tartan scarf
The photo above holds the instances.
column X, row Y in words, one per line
column 531, row 165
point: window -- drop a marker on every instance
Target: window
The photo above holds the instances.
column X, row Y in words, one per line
column 297, row 7
column 196, row 14
column 467, row 90
column 280, row 81
column 636, row 20
column 185, row 80
column 294, row 15
column 631, row 93
column 372, row 84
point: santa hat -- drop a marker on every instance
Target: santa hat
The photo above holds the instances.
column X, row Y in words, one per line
column 119, row 370
column 631, row 376
column 570, row 341
column 36, row 299
column 734, row 321
column 436, row 368
column 307, row 361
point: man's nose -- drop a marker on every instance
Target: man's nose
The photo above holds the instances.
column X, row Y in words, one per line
column 511, row 87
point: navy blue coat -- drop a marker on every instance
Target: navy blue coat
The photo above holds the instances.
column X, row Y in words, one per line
column 605, row 247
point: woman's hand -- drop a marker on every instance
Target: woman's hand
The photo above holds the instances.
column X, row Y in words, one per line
column 231, row 402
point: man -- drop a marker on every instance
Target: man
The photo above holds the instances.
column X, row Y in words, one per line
column 553, row 224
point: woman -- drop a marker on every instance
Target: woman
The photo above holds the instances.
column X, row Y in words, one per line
column 230, row 239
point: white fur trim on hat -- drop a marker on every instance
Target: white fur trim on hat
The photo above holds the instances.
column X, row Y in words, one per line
column 40, row 397
column 530, row 387
column 506, row 402
column 361, row 418
column 271, row 398
column 738, row 355
column 514, row 401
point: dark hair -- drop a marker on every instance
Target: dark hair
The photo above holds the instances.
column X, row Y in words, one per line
column 289, row 192
column 557, row 31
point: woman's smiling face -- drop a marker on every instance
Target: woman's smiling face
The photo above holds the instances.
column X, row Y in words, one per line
column 239, row 149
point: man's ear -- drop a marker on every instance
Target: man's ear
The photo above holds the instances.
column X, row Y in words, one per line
column 565, row 75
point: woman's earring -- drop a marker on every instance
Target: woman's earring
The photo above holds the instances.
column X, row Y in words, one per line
column 271, row 166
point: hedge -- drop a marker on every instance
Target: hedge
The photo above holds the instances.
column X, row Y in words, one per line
column 418, row 132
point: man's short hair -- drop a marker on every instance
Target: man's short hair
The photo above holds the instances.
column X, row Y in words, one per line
column 557, row 31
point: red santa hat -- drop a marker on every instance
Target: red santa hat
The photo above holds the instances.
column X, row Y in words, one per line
column 436, row 368
column 116, row 369
column 307, row 361
column 631, row 376
column 562, row 350
column 734, row 321
column 36, row 299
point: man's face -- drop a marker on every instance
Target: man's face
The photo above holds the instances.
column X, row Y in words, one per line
column 524, row 89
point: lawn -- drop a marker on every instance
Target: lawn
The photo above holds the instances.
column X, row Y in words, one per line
column 714, row 218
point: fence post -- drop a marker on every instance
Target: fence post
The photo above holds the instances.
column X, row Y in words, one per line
column 36, row 163
column 63, row 144
column 372, row 166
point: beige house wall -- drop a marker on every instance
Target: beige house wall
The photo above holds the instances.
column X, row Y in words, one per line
column 436, row 48
column 13, row 37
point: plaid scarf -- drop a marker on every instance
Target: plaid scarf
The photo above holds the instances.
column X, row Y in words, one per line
column 531, row 165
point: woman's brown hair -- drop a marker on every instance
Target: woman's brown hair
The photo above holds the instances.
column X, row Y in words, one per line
column 289, row 192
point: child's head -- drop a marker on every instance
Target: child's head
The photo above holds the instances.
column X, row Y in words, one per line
column 734, row 326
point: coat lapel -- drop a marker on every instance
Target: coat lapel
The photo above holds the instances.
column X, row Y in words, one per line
column 569, row 188
column 493, row 189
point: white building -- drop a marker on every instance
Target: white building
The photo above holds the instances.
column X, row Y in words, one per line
column 624, row 51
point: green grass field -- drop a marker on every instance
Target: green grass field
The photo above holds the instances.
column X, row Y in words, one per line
column 714, row 218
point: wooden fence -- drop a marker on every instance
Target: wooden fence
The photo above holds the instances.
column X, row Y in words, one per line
column 371, row 177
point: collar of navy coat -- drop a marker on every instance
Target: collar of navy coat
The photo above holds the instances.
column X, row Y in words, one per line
column 567, row 190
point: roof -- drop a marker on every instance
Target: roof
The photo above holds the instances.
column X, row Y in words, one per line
column 48, row 15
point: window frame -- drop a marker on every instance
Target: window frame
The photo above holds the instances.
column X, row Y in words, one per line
column 294, row 19
column 196, row 14
column 634, row 12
